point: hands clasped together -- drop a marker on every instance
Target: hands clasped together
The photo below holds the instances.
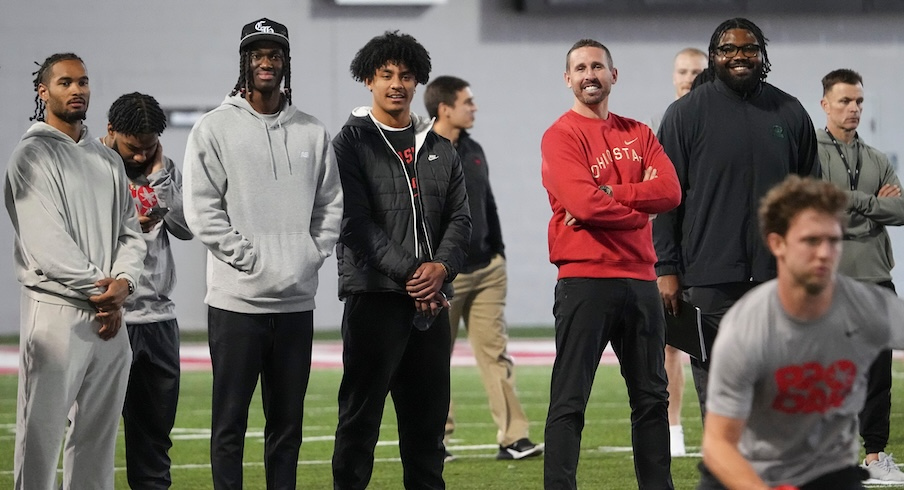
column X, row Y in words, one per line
column 109, row 305
column 424, row 286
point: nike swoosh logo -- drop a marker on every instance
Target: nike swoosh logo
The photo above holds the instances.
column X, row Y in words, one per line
column 432, row 157
column 629, row 142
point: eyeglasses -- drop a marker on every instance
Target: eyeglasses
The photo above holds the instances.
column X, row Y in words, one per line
column 729, row 50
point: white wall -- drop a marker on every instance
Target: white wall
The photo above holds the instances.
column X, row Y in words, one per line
column 186, row 54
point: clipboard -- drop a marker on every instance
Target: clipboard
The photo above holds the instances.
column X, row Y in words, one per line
column 685, row 332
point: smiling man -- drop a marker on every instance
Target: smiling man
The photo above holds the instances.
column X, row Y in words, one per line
column 607, row 177
column 262, row 193
column 78, row 253
column 730, row 140
column 405, row 231
column 874, row 202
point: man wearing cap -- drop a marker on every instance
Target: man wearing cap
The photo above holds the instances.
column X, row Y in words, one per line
column 262, row 193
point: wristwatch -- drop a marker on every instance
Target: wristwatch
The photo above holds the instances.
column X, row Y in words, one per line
column 131, row 286
column 606, row 189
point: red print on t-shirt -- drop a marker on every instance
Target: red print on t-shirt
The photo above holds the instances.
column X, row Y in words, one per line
column 145, row 198
column 407, row 155
column 812, row 388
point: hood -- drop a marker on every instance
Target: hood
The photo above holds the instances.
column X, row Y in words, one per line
column 362, row 117
column 275, row 132
column 285, row 114
column 44, row 130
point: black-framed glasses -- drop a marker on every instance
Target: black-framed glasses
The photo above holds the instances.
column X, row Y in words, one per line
column 729, row 50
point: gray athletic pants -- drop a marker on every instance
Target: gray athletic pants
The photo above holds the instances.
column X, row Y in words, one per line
column 67, row 372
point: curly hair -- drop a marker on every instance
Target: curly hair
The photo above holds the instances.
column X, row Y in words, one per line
column 740, row 23
column 135, row 113
column 41, row 78
column 391, row 47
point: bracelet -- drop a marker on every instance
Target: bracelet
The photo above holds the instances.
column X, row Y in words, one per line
column 445, row 269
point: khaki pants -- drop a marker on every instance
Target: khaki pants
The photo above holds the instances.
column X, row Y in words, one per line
column 480, row 301
column 67, row 372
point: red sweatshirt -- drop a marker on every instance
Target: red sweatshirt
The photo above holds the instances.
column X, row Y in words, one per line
column 613, row 234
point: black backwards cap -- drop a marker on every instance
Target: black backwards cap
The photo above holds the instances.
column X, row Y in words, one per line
column 264, row 30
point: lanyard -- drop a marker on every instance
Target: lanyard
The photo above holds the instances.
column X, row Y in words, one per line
column 853, row 175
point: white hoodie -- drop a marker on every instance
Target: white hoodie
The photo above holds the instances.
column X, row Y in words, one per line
column 73, row 214
column 266, row 201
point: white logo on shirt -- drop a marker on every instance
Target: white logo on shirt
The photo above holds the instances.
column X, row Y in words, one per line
column 629, row 142
column 432, row 157
column 305, row 154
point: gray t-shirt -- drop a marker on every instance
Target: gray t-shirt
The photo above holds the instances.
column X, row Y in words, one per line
column 800, row 385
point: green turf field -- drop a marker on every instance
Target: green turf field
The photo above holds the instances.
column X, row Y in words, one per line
column 605, row 459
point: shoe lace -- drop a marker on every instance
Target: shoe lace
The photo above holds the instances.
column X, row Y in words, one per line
column 887, row 463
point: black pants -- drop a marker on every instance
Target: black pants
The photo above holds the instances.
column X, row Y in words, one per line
column 874, row 418
column 589, row 313
column 383, row 353
column 850, row 478
column 713, row 301
column 149, row 411
column 276, row 347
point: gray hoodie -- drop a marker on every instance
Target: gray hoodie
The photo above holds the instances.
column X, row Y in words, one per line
column 151, row 302
column 73, row 214
column 266, row 201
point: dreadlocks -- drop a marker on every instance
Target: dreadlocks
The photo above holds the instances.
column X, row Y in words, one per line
column 391, row 47
column 243, row 85
column 740, row 23
column 135, row 114
column 41, row 78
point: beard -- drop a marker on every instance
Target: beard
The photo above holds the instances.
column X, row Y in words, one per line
column 135, row 171
column 591, row 98
column 71, row 116
column 742, row 85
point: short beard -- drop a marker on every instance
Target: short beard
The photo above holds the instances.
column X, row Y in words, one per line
column 133, row 172
column 71, row 117
column 742, row 86
column 814, row 289
column 591, row 99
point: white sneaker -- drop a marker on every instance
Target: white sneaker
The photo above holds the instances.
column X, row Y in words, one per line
column 883, row 471
column 676, row 440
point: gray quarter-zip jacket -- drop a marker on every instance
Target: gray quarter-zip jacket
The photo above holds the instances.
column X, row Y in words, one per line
column 867, row 252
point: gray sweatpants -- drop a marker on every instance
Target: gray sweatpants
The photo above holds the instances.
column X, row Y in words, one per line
column 67, row 372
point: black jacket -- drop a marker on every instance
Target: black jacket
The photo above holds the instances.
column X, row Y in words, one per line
column 728, row 152
column 377, row 250
column 486, row 232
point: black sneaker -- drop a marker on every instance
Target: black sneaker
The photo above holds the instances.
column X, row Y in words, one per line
column 448, row 457
column 522, row 448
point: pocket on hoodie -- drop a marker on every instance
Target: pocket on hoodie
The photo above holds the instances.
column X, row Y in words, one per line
column 286, row 267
